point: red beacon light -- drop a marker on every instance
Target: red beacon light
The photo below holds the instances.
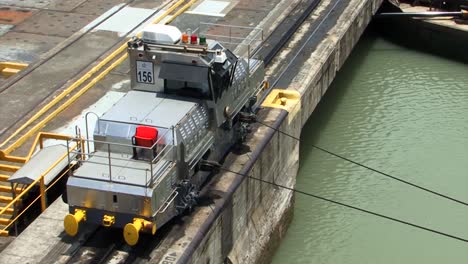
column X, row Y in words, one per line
column 145, row 136
column 193, row 39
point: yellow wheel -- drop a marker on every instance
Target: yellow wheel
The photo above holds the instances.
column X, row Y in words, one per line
column 70, row 224
column 131, row 233
column 72, row 221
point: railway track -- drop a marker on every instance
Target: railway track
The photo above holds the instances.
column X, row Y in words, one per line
column 99, row 247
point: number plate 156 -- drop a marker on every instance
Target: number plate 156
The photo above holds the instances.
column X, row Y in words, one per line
column 144, row 72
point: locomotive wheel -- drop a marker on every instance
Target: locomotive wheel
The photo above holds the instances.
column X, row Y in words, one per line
column 131, row 234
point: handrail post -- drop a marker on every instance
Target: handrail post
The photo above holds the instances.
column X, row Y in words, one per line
column 15, row 208
column 43, row 192
column 151, row 171
column 248, row 65
column 87, row 129
column 146, row 181
column 83, row 152
column 41, row 141
column 68, row 152
column 110, row 165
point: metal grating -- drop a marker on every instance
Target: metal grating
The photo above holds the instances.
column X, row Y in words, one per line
column 64, row 5
column 25, row 47
column 97, row 7
column 54, row 23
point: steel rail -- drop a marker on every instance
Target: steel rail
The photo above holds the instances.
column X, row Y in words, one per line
column 87, row 252
column 301, row 48
column 34, row 66
column 180, row 11
column 421, row 14
column 62, row 107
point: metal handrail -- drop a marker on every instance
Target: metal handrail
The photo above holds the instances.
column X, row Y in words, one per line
column 39, row 140
column 168, row 202
column 153, row 174
column 40, row 180
column 256, row 34
column 118, row 166
column 87, row 128
column 13, row 221
column 161, row 137
column 165, row 151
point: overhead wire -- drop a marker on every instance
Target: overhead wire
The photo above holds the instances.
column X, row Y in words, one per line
column 372, row 169
column 350, row 206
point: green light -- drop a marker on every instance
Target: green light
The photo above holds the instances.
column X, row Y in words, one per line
column 202, row 40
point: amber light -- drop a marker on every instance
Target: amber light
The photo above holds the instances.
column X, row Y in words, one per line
column 185, row 38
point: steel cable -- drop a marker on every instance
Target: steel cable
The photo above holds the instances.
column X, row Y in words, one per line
column 350, row 206
column 372, row 169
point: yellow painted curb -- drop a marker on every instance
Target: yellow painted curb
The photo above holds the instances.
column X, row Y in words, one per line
column 289, row 100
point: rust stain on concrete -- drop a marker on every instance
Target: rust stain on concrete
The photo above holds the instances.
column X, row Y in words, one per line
column 14, row 16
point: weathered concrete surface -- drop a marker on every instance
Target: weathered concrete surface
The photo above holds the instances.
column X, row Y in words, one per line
column 31, row 250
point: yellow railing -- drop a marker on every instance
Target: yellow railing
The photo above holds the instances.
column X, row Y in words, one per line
column 76, row 84
column 39, row 140
column 40, row 196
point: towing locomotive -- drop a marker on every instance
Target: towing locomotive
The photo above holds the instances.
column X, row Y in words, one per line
column 187, row 95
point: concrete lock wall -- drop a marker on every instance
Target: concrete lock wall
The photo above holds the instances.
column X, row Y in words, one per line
column 255, row 215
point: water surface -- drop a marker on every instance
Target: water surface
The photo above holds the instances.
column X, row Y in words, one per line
column 403, row 112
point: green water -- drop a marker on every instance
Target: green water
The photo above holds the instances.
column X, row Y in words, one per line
column 401, row 111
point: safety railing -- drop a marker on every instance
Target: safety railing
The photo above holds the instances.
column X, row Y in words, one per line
column 39, row 140
column 245, row 41
column 242, row 40
column 159, row 151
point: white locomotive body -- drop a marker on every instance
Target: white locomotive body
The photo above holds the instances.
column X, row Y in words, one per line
column 183, row 109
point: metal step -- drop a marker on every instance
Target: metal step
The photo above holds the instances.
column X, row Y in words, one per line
column 5, row 221
column 7, row 189
column 4, row 177
column 4, row 233
column 5, row 199
column 8, row 211
column 9, row 168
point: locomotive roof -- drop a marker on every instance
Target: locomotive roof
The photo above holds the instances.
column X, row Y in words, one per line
column 138, row 107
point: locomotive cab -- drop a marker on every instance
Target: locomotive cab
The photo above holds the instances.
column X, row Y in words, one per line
column 202, row 70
